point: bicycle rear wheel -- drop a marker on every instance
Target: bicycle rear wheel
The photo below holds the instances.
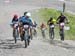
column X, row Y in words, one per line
column 15, row 35
column 62, row 34
column 26, row 38
column 51, row 33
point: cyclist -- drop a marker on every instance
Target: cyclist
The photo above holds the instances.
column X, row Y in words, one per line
column 20, row 24
column 62, row 20
column 14, row 21
column 51, row 22
column 35, row 28
column 43, row 28
column 25, row 20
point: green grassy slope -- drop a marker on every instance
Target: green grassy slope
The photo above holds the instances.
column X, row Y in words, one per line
column 44, row 15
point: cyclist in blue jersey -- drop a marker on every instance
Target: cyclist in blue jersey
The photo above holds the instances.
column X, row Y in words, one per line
column 25, row 20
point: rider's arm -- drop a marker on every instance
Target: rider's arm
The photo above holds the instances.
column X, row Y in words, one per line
column 58, row 18
column 66, row 19
column 20, row 21
column 31, row 22
column 57, row 21
column 48, row 22
column 12, row 20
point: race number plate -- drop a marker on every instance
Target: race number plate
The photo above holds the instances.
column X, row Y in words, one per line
column 52, row 26
column 26, row 26
column 62, row 24
column 15, row 25
column 43, row 28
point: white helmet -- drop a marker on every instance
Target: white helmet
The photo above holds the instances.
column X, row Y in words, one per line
column 28, row 14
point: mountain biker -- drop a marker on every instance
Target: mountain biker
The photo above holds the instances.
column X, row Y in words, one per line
column 43, row 28
column 14, row 21
column 61, row 19
column 25, row 20
column 35, row 27
column 20, row 23
column 51, row 22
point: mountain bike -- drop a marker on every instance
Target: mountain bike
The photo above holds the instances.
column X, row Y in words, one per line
column 15, row 32
column 26, row 35
column 61, row 27
column 43, row 32
column 51, row 31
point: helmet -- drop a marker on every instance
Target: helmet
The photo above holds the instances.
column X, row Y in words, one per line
column 28, row 14
column 15, row 16
column 42, row 23
column 62, row 13
column 25, row 13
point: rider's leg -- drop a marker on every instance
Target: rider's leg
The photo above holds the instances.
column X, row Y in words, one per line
column 62, row 33
column 21, row 33
column 60, row 29
column 13, row 32
column 31, row 33
column 35, row 32
column 19, row 29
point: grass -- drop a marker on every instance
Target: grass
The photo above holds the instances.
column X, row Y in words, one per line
column 44, row 15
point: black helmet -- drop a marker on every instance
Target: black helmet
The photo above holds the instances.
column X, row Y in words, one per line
column 25, row 13
column 61, row 13
column 51, row 18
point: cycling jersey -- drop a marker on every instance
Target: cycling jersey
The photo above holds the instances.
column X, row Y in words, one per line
column 50, row 22
column 61, row 19
column 25, row 20
column 14, row 20
column 43, row 25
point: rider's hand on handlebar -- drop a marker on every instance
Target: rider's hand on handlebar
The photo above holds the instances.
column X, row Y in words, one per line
column 57, row 22
column 67, row 22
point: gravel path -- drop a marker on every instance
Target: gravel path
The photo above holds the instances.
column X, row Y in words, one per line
column 38, row 47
